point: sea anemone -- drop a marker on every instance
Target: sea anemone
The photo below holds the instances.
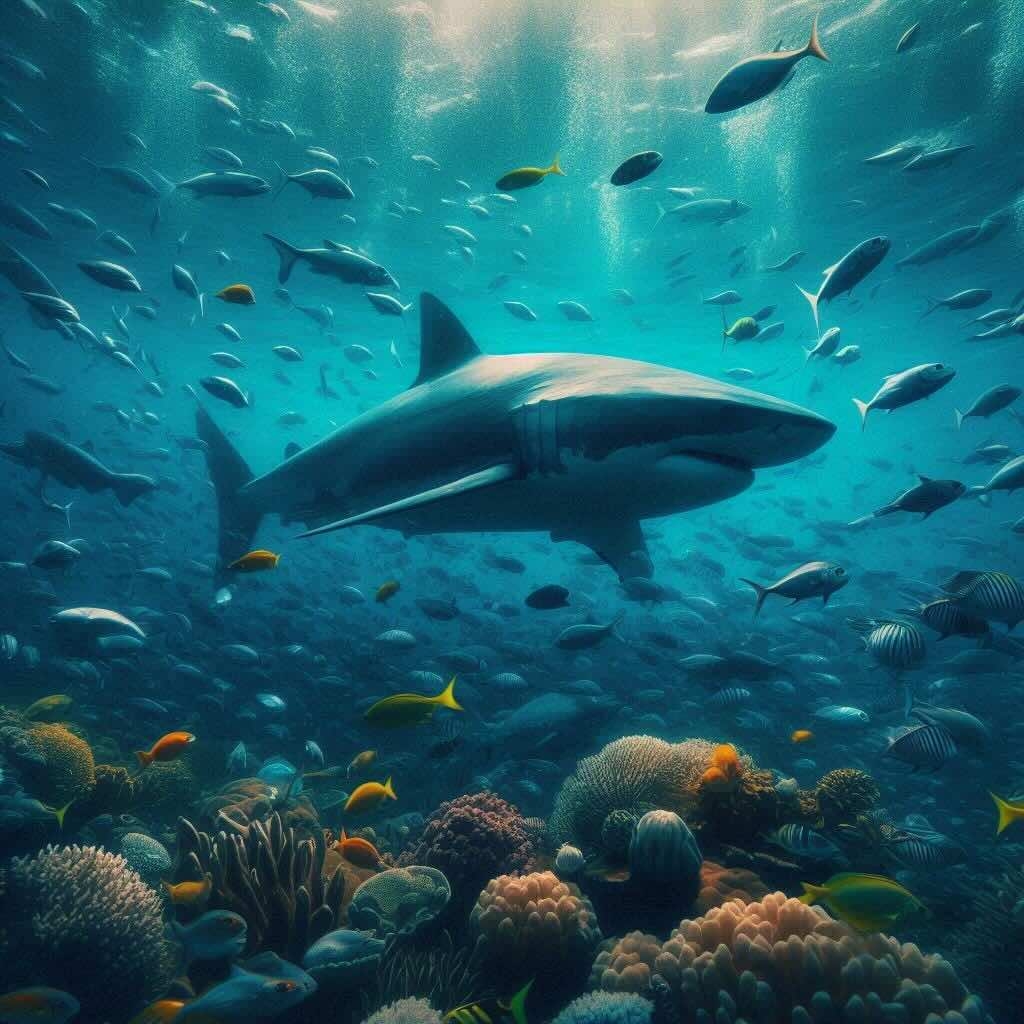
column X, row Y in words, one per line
column 723, row 772
column 79, row 919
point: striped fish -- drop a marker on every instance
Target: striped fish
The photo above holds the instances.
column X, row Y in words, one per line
column 893, row 643
column 730, row 697
column 926, row 747
column 491, row 1011
column 924, row 848
column 947, row 619
column 804, row 842
column 989, row 595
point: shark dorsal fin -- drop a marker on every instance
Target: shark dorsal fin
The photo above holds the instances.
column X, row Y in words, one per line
column 445, row 344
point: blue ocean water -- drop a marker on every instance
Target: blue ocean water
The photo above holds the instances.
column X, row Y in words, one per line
column 419, row 109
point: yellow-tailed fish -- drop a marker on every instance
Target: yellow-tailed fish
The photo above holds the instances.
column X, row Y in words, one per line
column 1009, row 812
column 870, row 903
column 403, row 709
column 369, row 796
column 492, row 1011
column 524, row 177
column 48, row 705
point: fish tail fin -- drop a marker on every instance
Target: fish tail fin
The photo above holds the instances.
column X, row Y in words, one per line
column 277, row 561
column 813, row 47
column 959, row 418
column 862, row 408
column 517, row 1004
column 60, row 812
column 237, row 518
column 286, row 253
column 556, row 167
column 812, row 299
column 762, row 593
column 1008, row 814
column 661, row 214
column 389, row 790
column 446, row 698
column 932, row 306
column 128, row 486
column 908, row 700
column 812, row 893
column 144, row 757
column 284, row 179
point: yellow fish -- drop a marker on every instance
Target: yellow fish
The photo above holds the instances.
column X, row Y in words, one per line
column 491, row 1011
column 48, row 705
column 870, row 903
column 368, row 796
column 411, row 708
column 239, row 294
column 742, row 330
column 190, row 894
column 362, row 760
column 387, row 590
column 524, row 177
column 801, row 736
column 1009, row 812
column 256, row 561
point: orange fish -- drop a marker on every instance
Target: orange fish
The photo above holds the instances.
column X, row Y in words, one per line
column 362, row 760
column 387, row 590
column 167, row 748
column 190, row 894
column 722, row 775
column 163, row 1011
column 802, row 736
column 256, row 561
column 369, row 796
column 239, row 294
column 360, row 852
column 37, row 1006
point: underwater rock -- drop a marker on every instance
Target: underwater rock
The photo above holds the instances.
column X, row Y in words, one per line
column 78, row 918
column 399, row 901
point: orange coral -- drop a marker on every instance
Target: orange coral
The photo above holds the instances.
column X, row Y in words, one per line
column 719, row 885
column 723, row 772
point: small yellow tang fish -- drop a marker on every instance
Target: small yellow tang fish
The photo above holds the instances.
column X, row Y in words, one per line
column 256, row 561
column 403, row 709
column 369, row 796
column 524, row 177
column 870, row 903
column 189, row 894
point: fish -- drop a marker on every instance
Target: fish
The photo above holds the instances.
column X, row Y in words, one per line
column 190, row 894
column 787, row 263
column 801, row 736
column 408, row 709
column 844, row 276
column 813, row 579
column 112, row 275
column 333, row 260
column 357, row 850
column 525, row 177
column 508, row 492
column 991, row 595
column 226, row 390
column 994, row 400
column 926, row 747
column 586, row 635
column 215, row 935
column 927, row 497
column 369, row 796
column 237, row 294
column 267, row 987
column 548, row 597
column 756, row 77
column 38, row 1005
column 234, row 184
column 319, row 182
column 168, row 748
column 492, row 1011
column 636, row 167
column 47, row 706
column 870, row 903
column 969, row 298
column 901, row 389
column 362, row 760
column 804, row 842
column 1010, row 811
column 386, row 591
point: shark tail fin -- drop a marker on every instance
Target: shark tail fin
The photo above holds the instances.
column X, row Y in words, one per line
column 762, row 593
column 813, row 301
column 813, row 47
column 862, row 408
column 237, row 518
column 128, row 486
column 286, row 253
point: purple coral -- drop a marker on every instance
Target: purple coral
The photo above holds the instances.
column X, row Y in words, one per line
column 473, row 839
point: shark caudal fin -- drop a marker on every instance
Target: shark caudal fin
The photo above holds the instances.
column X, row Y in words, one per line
column 129, row 486
column 237, row 518
column 813, row 47
column 286, row 253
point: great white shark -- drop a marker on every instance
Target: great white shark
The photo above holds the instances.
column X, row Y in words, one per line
column 582, row 447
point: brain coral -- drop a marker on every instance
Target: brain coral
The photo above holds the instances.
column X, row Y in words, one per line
column 633, row 774
column 399, row 900
column 534, row 925
column 146, row 855
column 607, row 1008
column 67, row 771
column 780, row 960
column 81, row 920
column 406, row 1011
column 472, row 839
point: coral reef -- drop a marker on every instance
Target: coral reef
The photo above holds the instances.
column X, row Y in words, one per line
column 399, row 901
column 471, row 840
column 719, row 884
column 406, row 1011
column 627, row 965
column 664, row 854
column 65, row 770
column 535, row 926
column 270, row 878
column 244, row 800
column 617, row 833
column 113, row 793
column 146, row 856
column 737, row 800
column 723, row 772
column 166, row 786
column 781, row 960
column 569, row 861
column 844, row 794
column 607, row 1008
column 634, row 774
column 79, row 919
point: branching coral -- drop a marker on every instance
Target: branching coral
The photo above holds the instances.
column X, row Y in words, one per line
column 67, row 771
column 273, row 880
column 79, row 919
column 633, row 774
column 845, row 793
column 534, row 926
column 471, row 840
column 780, row 960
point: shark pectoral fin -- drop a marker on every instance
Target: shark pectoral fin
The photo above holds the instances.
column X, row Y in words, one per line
column 619, row 542
column 473, row 482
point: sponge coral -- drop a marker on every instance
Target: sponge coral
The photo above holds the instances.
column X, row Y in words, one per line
column 79, row 919
column 780, row 960
column 535, row 926
column 406, row 1011
column 607, row 1008
column 66, row 768
column 845, row 793
column 634, row 774
column 470, row 840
